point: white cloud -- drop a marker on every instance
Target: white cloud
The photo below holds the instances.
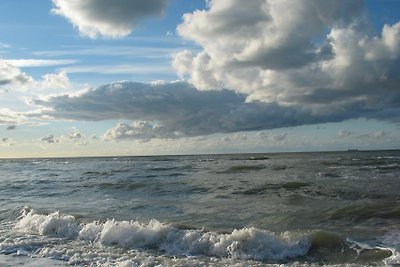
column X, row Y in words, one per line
column 73, row 137
column 182, row 62
column 55, row 81
column 13, row 78
column 106, row 18
column 386, row 47
column 344, row 133
column 33, row 63
column 138, row 130
column 320, row 56
column 9, row 117
column 239, row 137
column 9, row 74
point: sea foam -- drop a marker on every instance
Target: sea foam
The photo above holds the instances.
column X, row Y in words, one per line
column 245, row 244
column 54, row 224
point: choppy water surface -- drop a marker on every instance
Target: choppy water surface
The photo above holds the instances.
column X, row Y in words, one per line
column 299, row 209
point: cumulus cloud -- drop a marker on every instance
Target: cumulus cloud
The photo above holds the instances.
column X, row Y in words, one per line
column 55, row 81
column 12, row 76
column 138, row 130
column 74, row 137
column 106, row 18
column 324, row 56
column 9, row 74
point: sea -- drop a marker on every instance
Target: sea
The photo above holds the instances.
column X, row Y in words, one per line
column 284, row 209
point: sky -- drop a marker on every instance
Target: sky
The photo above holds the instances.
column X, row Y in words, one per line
column 155, row 77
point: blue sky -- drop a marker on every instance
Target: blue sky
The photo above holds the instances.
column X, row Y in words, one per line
column 97, row 77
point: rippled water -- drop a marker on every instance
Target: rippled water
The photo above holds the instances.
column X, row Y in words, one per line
column 295, row 209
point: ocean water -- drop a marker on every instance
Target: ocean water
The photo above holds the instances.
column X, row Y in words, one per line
column 290, row 209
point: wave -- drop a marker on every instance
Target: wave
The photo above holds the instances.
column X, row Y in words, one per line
column 336, row 249
column 64, row 237
column 247, row 243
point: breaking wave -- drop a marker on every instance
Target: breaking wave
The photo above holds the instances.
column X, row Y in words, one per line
column 64, row 237
column 246, row 243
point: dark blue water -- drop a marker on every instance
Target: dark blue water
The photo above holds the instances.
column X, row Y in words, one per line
column 295, row 209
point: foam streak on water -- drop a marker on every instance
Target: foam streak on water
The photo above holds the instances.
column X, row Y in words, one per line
column 306, row 209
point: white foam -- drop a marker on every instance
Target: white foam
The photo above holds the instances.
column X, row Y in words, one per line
column 244, row 244
column 247, row 243
column 133, row 234
column 53, row 224
column 91, row 231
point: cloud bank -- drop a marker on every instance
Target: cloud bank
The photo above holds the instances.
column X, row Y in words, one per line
column 107, row 18
column 177, row 109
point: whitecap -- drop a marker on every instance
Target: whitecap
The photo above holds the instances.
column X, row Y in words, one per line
column 243, row 244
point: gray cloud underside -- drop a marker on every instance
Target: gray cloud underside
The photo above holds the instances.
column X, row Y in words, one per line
column 178, row 107
column 107, row 18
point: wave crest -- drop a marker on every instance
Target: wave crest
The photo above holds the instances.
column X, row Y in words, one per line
column 54, row 224
column 245, row 244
